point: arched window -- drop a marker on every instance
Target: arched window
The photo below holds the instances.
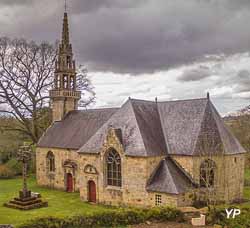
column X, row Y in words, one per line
column 113, row 164
column 65, row 81
column 51, row 162
column 207, row 173
column 72, row 84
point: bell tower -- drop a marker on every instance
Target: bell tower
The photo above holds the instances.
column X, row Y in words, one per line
column 64, row 95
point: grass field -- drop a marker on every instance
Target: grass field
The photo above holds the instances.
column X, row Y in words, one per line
column 61, row 204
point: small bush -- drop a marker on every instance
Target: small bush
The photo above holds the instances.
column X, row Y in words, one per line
column 116, row 218
column 6, row 172
column 15, row 166
column 218, row 216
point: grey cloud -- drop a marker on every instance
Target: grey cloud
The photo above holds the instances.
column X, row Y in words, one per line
column 243, row 81
column 16, row 2
column 195, row 74
column 141, row 36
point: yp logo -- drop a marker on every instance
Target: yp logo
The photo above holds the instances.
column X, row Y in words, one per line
column 232, row 212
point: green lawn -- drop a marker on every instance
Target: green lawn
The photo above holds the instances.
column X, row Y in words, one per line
column 61, row 204
column 247, row 174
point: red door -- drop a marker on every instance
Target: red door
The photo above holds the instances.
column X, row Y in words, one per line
column 69, row 182
column 92, row 191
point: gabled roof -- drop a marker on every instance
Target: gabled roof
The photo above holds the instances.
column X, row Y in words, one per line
column 75, row 129
column 168, row 177
column 186, row 127
column 141, row 130
column 194, row 127
column 181, row 122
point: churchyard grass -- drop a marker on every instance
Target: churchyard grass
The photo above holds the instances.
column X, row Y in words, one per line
column 61, row 204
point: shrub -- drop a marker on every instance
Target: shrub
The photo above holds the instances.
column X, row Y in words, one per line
column 6, row 172
column 218, row 216
column 15, row 166
column 108, row 219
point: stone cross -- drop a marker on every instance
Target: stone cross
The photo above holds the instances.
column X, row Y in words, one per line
column 24, row 155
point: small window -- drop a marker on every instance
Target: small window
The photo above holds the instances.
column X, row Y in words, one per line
column 235, row 160
column 65, row 81
column 51, row 162
column 72, row 84
column 68, row 61
column 158, row 200
column 58, row 82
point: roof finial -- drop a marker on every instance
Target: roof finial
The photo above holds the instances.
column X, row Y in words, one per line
column 65, row 6
column 208, row 95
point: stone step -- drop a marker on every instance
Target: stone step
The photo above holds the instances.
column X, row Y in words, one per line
column 27, row 207
column 24, row 203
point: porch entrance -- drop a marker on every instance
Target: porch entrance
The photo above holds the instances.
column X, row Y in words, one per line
column 69, row 183
column 91, row 191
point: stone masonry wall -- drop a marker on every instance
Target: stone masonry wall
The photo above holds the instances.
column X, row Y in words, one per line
column 229, row 178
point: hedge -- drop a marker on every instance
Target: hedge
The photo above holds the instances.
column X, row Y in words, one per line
column 218, row 216
column 115, row 218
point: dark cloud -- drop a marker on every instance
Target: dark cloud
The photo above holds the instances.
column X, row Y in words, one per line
column 16, row 2
column 141, row 36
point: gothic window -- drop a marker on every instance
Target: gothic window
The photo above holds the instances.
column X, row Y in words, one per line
column 65, row 81
column 207, row 173
column 72, row 84
column 113, row 165
column 68, row 61
column 51, row 162
column 58, row 82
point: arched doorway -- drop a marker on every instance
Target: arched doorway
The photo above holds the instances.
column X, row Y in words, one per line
column 69, row 182
column 91, row 191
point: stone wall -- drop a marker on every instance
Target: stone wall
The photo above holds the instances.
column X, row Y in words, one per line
column 229, row 178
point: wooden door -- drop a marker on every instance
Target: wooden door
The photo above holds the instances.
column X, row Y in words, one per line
column 92, row 191
column 69, row 182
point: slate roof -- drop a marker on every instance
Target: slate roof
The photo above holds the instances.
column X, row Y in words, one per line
column 75, row 129
column 168, row 177
column 147, row 129
column 141, row 130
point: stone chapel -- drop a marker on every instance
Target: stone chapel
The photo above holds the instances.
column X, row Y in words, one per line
column 144, row 153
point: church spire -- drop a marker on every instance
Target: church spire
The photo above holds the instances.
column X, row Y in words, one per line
column 65, row 31
column 64, row 95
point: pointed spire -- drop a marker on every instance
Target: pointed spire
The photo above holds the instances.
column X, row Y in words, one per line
column 65, row 32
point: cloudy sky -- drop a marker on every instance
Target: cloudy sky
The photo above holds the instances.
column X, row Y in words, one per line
column 172, row 49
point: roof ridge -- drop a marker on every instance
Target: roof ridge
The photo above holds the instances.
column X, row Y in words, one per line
column 138, row 100
column 203, row 118
column 182, row 170
column 191, row 99
column 215, row 112
column 170, row 174
column 136, row 120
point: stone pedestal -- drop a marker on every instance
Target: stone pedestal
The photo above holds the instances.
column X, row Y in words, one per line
column 26, row 201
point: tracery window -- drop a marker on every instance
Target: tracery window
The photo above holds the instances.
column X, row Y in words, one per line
column 113, row 166
column 72, row 84
column 50, row 162
column 207, row 173
column 65, row 81
column 57, row 81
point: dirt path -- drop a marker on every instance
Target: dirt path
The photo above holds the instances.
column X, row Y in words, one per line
column 166, row 225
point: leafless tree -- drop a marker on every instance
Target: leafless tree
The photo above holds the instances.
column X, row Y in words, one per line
column 210, row 170
column 26, row 76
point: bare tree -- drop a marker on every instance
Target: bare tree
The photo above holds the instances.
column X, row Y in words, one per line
column 26, row 76
column 210, row 170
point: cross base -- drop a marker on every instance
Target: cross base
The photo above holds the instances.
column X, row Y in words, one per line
column 26, row 202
